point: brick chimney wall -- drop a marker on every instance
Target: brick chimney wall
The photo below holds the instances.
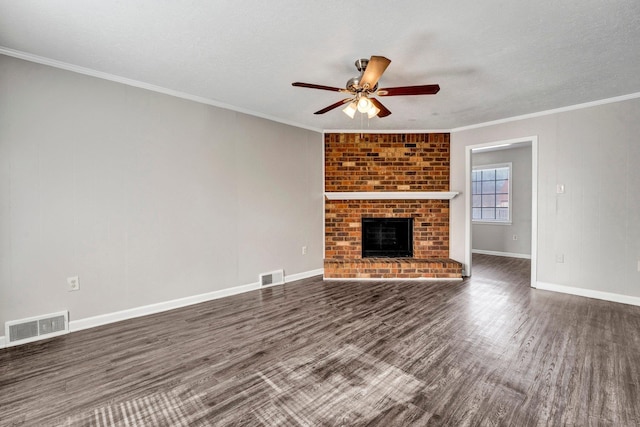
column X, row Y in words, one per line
column 382, row 163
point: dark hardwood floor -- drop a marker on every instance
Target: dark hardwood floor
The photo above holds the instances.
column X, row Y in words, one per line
column 489, row 350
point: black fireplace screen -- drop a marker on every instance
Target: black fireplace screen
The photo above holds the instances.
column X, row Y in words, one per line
column 387, row 237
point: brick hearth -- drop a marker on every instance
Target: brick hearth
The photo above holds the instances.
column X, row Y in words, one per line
column 391, row 268
column 387, row 163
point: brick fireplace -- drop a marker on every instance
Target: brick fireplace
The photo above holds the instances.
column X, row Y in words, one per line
column 377, row 176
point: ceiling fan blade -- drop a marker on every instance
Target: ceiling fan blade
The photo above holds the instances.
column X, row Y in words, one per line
column 375, row 68
column 409, row 90
column 384, row 112
column 332, row 106
column 314, row 86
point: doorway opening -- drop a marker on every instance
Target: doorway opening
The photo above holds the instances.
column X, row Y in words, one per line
column 484, row 153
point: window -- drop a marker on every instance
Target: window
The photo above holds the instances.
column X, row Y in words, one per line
column 491, row 193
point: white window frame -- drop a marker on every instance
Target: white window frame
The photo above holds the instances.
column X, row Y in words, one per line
column 496, row 221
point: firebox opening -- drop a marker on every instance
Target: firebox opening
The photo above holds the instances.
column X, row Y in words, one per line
column 387, row 237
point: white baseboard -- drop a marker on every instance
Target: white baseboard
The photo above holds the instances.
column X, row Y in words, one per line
column 496, row 253
column 589, row 293
column 104, row 319
column 304, row 275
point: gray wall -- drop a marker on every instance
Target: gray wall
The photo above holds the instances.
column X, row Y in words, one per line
column 499, row 237
column 146, row 197
column 595, row 153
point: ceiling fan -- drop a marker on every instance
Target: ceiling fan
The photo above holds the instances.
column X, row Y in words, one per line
column 365, row 86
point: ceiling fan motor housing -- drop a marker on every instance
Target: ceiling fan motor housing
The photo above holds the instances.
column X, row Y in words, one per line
column 353, row 84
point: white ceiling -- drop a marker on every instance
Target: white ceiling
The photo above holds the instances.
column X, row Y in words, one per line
column 493, row 59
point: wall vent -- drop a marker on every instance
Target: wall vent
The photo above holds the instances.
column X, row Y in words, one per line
column 36, row 328
column 272, row 278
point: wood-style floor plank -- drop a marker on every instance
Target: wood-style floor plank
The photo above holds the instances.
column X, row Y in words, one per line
column 489, row 350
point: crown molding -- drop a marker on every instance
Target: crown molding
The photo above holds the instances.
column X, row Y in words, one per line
column 142, row 85
column 202, row 100
column 553, row 111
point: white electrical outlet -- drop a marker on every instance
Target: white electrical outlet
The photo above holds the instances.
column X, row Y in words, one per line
column 74, row 283
column 559, row 188
column 304, row 250
column 560, row 258
column 515, row 237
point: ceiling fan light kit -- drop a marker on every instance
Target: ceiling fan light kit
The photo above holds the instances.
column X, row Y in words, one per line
column 364, row 105
column 350, row 109
column 373, row 111
column 365, row 86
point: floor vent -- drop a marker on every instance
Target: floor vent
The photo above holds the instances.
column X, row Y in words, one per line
column 36, row 328
column 272, row 278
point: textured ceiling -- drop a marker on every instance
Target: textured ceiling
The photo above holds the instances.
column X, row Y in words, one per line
column 493, row 59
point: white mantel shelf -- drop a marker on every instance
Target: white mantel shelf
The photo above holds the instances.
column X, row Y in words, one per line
column 392, row 195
